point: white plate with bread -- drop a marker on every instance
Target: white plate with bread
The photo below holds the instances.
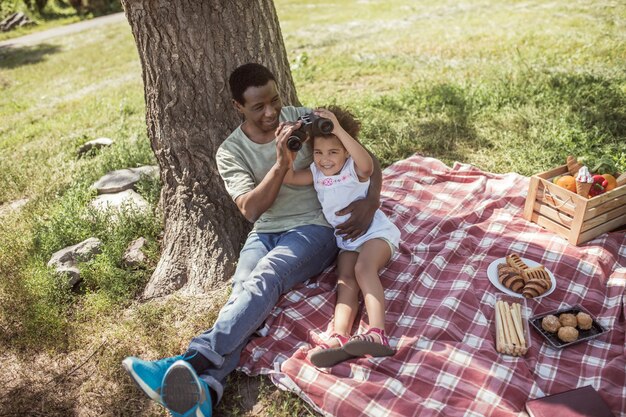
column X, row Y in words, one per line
column 521, row 277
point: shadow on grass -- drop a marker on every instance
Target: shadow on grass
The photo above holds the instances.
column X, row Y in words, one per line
column 27, row 400
column 17, row 56
column 435, row 121
column 523, row 113
column 596, row 103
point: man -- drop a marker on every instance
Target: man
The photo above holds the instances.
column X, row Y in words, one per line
column 290, row 242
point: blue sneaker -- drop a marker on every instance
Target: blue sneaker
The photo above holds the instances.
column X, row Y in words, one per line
column 148, row 375
column 184, row 394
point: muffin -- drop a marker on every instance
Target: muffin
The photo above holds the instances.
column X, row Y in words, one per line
column 567, row 334
column 568, row 319
column 584, row 321
column 550, row 323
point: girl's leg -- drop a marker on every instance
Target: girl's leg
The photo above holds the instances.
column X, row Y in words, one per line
column 331, row 352
column 347, row 293
column 374, row 255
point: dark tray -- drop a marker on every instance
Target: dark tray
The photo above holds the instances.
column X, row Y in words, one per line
column 583, row 335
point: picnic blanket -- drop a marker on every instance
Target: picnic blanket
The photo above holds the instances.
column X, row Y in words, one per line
column 440, row 308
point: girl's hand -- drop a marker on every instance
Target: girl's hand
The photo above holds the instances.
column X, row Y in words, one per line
column 327, row 114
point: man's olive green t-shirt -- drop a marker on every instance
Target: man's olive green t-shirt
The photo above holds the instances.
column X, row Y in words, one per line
column 243, row 164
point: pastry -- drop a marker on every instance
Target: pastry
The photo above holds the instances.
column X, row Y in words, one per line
column 567, row 334
column 550, row 323
column 518, row 277
column 573, row 165
column 515, row 261
column 511, row 279
column 568, row 319
column 584, row 321
column 537, row 272
column 535, row 287
column 584, row 182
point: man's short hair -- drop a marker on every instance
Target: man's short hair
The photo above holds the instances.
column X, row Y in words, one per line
column 248, row 75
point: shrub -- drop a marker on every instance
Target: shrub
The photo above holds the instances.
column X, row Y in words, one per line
column 96, row 7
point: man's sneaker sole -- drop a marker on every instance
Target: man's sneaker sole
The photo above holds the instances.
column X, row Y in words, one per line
column 182, row 390
column 127, row 364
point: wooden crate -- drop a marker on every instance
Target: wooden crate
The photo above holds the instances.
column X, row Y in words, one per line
column 576, row 218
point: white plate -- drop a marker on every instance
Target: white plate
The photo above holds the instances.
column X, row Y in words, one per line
column 492, row 274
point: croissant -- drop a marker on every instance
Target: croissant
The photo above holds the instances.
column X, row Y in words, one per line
column 510, row 278
column 515, row 261
column 535, row 287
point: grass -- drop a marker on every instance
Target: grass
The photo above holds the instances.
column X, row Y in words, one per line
column 506, row 86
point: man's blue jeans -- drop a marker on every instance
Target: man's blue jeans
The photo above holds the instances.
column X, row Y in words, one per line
column 270, row 264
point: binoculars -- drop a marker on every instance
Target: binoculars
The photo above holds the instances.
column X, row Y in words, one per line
column 312, row 125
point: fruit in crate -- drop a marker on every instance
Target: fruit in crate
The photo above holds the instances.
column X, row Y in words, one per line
column 611, row 182
column 598, row 186
column 568, row 182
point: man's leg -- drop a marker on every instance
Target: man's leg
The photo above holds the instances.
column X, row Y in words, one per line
column 295, row 256
column 148, row 375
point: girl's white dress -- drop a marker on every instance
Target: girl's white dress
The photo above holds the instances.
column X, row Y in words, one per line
column 337, row 191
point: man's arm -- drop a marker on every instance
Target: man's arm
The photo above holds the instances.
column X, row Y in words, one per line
column 255, row 202
column 362, row 211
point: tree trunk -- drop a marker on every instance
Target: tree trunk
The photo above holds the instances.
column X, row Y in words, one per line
column 187, row 51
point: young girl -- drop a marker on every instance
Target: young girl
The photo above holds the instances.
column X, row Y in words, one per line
column 340, row 174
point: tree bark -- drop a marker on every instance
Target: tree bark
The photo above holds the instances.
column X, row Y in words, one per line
column 187, row 49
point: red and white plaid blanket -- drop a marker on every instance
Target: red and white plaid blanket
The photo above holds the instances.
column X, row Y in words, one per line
column 440, row 308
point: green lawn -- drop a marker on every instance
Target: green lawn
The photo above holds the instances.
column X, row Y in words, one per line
column 507, row 86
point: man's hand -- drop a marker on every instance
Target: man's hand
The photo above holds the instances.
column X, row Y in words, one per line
column 285, row 156
column 362, row 211
column 361, row 215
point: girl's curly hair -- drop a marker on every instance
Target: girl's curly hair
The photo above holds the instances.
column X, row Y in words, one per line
column 346, row 119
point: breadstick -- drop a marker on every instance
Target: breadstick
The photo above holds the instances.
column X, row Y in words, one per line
column 521, row 322
column 507, row 335
column 509, row 323
column 519, row 327
column 501, row 333
column 499, row 341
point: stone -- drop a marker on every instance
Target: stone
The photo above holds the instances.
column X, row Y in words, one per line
column 65, row 261
column 124, row 179
column 80, row 252
column 134, row 256
column 72, row 273
column 94, row 144
column 17, row 19
column 13, row 206
column 117, row 202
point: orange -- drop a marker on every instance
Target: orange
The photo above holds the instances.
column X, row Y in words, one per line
column 568, row 182
column 612, row 182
